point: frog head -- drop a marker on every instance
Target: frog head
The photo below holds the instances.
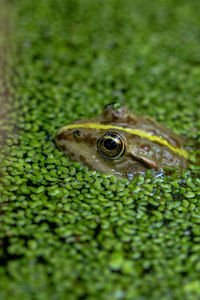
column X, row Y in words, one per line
column 120, row 143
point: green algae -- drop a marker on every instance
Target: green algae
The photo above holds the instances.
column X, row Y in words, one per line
column 70, row 233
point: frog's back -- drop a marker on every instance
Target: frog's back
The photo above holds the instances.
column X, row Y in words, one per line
column 123, row 117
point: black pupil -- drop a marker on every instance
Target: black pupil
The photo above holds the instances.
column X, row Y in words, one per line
column 110, row 144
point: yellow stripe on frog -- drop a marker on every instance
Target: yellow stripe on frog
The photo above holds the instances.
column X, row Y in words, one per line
column 138, row 132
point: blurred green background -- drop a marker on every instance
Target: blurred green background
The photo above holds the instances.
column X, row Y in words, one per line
column 69, row 233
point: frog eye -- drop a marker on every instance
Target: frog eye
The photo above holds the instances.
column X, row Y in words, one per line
column 111, row 146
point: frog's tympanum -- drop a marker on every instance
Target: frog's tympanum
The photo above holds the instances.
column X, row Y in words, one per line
column 122, row 144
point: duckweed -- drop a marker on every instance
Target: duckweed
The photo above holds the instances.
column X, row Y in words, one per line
column 68, row 232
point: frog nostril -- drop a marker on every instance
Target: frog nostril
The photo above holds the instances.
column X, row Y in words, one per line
column 77, row 133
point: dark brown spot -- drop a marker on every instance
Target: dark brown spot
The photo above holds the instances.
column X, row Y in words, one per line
column 85, row 162
column 65, row 135
column 131, row 120
column 72, row 156
column 61, row 136
column 135, row 137
column 90, row 139
column 62, row 147
column 116, row 116
column 82, row 158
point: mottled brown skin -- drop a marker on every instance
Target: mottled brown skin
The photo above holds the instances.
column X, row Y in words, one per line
column 140, row 153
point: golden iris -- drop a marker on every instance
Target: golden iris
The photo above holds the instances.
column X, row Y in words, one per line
column 111, row 146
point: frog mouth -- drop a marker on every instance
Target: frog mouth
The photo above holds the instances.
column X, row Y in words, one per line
column 139, row 168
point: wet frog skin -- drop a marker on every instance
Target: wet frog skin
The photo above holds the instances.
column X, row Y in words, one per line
column 122, row 144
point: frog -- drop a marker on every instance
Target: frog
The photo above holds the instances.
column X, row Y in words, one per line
column 123, row 144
